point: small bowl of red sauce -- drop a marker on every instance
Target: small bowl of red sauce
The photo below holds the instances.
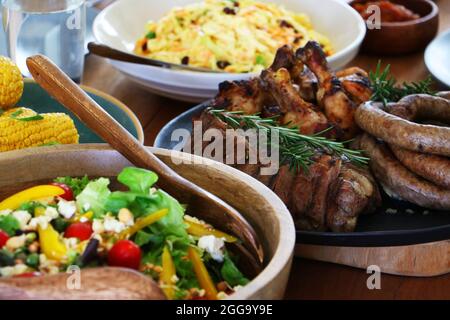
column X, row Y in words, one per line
column 397, row 26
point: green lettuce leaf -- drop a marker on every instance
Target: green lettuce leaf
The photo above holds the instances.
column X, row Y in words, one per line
column 94, row 196
column 139, row 201
column 231, row 273
column 9, row 224
column 76, row 184
column 137, row 180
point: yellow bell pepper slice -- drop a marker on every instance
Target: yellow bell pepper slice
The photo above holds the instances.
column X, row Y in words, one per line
column 49, row 241
column 203, row 277
column 168, row 273
column 31, row 194
column 142, row 223
column 88, row 215
column 200, row 230
column 51, row 246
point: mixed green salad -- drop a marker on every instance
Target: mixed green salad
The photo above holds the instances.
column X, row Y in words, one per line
column 80, row 221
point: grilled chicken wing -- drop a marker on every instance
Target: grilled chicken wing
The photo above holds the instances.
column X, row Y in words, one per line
column 296, row 111
column 300, row 74
column 356, row 84
column 245, row 96
column 331, row 96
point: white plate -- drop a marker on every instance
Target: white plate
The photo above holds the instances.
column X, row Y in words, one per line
column 437, row 58
column 123, row 22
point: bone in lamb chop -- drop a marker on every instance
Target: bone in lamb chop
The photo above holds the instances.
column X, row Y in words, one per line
column 332, row 193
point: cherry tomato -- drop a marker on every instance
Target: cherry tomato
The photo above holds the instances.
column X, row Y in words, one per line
column 80, row 230
column 3, row 238
column 68, row 193
column 125, row 253
column 28, row 275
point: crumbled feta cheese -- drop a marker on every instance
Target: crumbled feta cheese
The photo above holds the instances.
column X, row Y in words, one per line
column 113, row 225
column 125, row 216
column 97, row 226
column 5, row 212
column 51, row 212
column 70, row 243
column 67, row 208
column 41, row 221
column 23, row 217
column 17, row 242
column 86, row 206
column 213, row 246
column 13, row 270
column 84, row 219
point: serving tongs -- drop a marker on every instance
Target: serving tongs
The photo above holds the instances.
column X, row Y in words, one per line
column 114, row 54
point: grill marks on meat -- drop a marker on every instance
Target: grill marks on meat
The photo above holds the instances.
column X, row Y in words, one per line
column 309, row 195
column 338, row 107
column 246, row 96
column 296, row 111
column 353, row 192
column 293, row 85
column 329, row 196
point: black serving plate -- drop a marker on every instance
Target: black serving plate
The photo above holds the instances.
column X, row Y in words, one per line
column 408, row 225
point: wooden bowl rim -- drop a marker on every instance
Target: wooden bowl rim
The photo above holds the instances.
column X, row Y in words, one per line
column 434, row 12
column 283, row 253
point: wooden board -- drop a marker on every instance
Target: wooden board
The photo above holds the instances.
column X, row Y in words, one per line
column 422, row 260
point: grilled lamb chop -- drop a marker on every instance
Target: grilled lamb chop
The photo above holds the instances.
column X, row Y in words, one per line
column 353, row 192
column 329, row 196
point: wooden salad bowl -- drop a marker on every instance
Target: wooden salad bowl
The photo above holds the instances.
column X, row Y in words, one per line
column 259, row 205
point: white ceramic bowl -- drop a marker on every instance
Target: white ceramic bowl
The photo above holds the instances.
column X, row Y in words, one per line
column 123, row 22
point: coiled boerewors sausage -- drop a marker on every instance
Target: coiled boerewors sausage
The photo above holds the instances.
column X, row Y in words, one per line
column 429, row 166
column 398, row 181
column 393, row 123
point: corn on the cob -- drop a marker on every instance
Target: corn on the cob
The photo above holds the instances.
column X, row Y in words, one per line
column 11, row 83
column 15, row 133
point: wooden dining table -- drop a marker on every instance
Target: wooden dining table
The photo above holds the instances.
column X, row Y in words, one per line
column 309, row 279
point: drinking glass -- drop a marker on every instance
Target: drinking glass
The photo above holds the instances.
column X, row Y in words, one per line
column 55, row 28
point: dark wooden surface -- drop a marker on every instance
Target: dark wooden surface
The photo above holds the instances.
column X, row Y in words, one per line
column 309, row 279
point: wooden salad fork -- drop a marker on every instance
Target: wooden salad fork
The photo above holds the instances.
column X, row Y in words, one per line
column 200, row 203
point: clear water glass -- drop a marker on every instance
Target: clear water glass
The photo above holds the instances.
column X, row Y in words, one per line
column 55, row 28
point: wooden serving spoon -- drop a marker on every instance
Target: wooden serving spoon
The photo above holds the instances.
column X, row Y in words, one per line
column 106, row 283
column 114, row 54
column 201, row 203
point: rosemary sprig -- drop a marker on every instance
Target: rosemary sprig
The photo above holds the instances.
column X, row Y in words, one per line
column 295, row 149
column 385, row 88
